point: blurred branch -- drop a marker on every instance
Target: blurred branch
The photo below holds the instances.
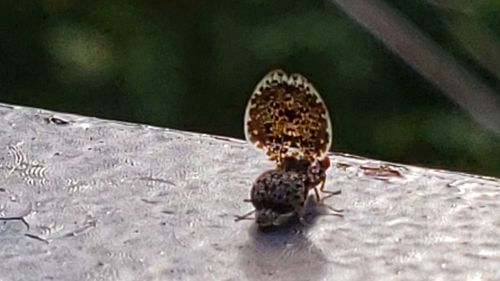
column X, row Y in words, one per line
column 483, row 47
column 462, row 6
column 427, row 58
column 474, row 37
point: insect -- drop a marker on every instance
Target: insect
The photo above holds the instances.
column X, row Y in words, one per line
column 287, row 119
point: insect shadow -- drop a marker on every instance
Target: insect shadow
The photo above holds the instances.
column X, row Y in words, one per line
column 285, row 252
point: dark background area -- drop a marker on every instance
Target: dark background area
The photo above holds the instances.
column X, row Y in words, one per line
column 192, row 65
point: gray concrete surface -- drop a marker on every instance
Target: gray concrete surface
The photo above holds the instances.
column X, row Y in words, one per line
column 87, row 199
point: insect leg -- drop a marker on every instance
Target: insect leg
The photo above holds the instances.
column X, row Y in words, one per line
column 317, row 194
column 336, row 212
column 330, row 193
column 245, row 216
column 323, row 190
column 324, row 165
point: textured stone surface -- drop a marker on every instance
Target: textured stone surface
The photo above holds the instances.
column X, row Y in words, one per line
column 106, row 200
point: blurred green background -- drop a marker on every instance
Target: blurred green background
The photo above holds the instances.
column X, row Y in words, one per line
column 192, row 65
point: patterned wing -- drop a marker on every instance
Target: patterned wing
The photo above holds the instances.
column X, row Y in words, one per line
column 286, row 117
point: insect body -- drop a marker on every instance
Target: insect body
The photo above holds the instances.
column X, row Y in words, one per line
column 277, row 194
column 287, row 118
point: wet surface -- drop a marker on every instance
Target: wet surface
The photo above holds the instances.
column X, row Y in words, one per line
column 87, row 199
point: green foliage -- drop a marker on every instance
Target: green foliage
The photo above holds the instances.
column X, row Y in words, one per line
column 192, row 65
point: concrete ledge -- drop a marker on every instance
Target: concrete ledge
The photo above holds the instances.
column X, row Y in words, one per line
column 88, row 199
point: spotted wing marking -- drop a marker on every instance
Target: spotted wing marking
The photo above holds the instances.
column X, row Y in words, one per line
column 286, row 117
